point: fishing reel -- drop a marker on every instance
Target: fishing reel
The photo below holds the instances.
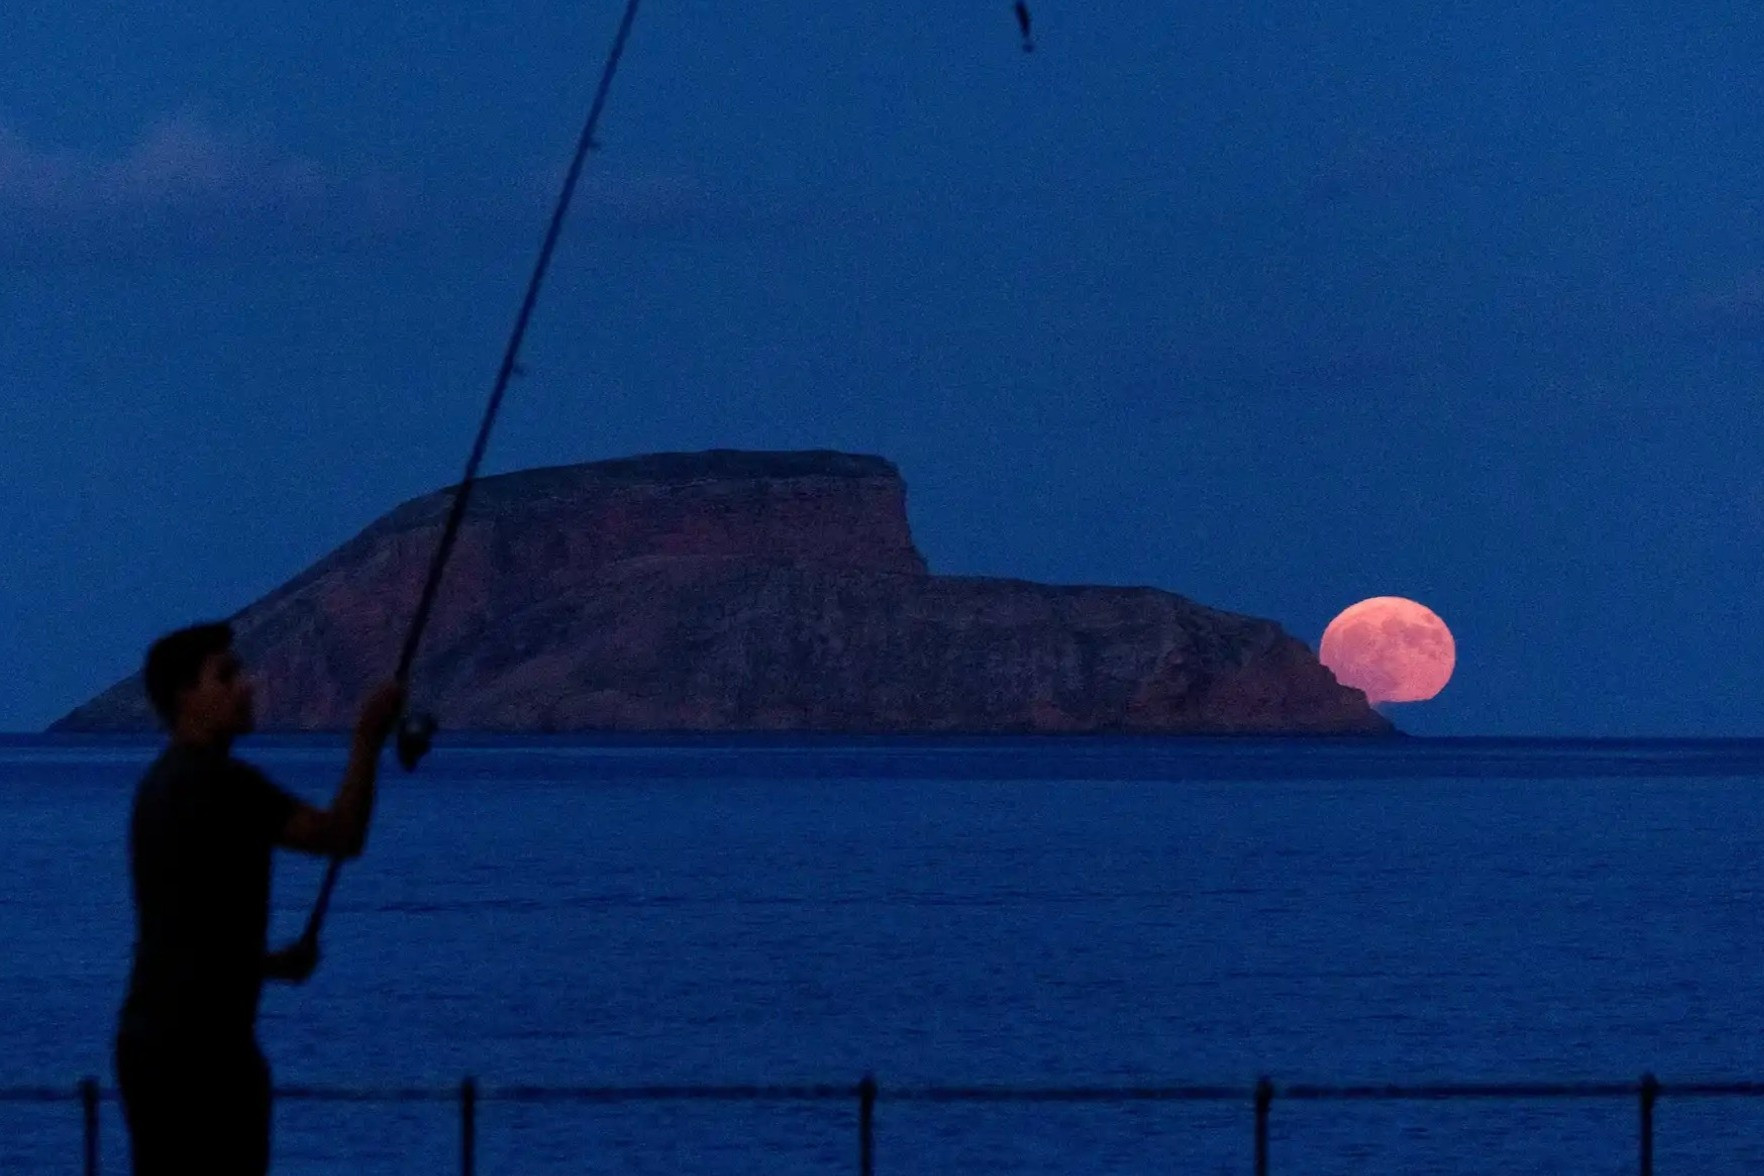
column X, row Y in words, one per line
column 416, row 731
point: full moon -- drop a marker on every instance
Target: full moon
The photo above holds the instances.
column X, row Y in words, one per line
column 1393, row 649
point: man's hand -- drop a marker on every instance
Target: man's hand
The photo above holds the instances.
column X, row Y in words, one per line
column 340, row 830
column 379, row 714
column 293, row 963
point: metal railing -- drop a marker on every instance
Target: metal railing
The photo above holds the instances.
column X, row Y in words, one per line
column 866, row 1093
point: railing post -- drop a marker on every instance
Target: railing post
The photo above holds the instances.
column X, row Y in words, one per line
column 468, row 1126
column 89, row 1102
column 1264, row 1098
column 867, row 1126
column 1650, row 1091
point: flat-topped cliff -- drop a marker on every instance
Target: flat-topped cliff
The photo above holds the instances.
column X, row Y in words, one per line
column 737, row 591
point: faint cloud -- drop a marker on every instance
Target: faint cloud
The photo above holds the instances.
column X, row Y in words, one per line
column 175, row 162
column 182, row 186
column 185, row 188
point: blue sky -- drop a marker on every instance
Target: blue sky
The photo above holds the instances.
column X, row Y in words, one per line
column 1277, row 306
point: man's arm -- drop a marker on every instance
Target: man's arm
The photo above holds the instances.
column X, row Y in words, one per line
column 341, row 829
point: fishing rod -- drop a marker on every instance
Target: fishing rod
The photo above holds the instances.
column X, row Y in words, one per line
column 416, row 730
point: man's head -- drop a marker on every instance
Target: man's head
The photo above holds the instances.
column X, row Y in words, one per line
column 198, row 684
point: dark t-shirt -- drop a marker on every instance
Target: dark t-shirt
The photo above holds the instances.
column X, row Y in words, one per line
column 200, row 839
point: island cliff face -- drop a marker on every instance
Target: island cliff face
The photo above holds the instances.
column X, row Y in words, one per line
column 730, row 591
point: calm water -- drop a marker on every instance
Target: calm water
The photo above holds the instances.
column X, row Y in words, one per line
column 1019, row 911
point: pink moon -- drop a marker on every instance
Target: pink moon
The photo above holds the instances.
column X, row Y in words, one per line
column 1394, row 649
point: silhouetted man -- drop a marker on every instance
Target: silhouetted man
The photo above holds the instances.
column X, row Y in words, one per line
column 195, row 1086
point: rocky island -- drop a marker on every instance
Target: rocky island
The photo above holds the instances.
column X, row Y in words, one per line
column 739, row 591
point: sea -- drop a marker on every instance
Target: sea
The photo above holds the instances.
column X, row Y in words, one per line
column 1001, row 913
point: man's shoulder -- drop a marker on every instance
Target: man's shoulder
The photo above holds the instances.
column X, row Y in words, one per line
column 209, row 787
column 179, row 769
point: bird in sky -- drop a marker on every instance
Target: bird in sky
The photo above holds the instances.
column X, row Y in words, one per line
column 1023, row 24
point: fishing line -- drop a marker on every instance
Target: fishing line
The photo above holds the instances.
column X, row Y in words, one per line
column 416, row 730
